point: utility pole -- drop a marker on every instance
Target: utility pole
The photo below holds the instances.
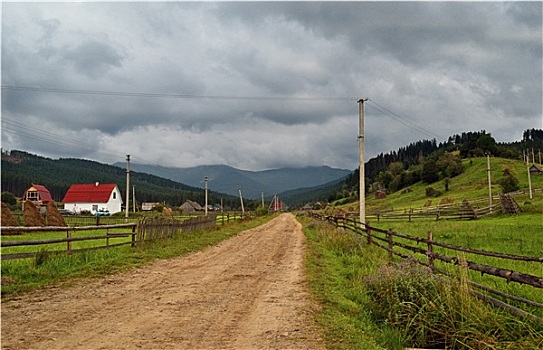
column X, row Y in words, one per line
column 262, row 195
column 362, row 179
column 489, row 182
column 241, row 200
column 205, row 186
column 127, row 207
column 134, row 198
column 529, row 180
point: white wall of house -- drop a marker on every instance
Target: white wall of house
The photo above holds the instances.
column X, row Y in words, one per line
column 113, row 204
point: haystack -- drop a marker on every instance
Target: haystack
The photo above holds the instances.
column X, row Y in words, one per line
column 8, row 219
column 31, row 215
column 167, row 211
column 53, row 216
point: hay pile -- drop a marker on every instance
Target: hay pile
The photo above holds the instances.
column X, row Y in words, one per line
column 31, row 215
column 7, row 217
column 167, row 211
column 53, row 216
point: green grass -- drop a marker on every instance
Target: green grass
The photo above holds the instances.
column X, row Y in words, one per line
column 53, row 269
column 472, row 184
column 341, row 267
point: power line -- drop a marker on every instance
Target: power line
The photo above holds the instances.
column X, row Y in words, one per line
column 178, row 96
column 402, row 120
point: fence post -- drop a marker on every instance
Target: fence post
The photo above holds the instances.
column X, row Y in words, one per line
column 368, row 232
column 134, row 235
column 107, row 237
column 430, row 250
column 68, row 243
column 390, row 245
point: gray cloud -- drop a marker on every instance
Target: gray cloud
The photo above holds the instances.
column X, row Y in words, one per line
column 446, row 67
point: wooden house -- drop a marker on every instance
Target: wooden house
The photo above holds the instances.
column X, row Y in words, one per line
column 190, row 206
column 535, row 170
column 38, row 194
column 93, row 197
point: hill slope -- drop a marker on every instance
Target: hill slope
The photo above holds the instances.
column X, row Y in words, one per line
column 21, row 169
column 472, row 184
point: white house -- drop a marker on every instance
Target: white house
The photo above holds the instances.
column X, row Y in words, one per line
column 93, row 197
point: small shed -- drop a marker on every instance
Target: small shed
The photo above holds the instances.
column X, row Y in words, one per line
column 148, row 206
column 93, row 198
column 535, row 170
column 38, row 194
column 190, row 206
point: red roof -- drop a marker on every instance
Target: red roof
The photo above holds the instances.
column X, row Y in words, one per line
column 89, row 193
column 45, row 196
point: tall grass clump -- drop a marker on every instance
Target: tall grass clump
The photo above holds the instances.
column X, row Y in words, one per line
column 433, row 312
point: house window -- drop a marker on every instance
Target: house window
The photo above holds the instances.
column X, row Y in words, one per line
column 95, row 207
column 30, row 195
column 114, row 195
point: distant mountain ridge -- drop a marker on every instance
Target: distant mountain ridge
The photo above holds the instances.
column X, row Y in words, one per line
column 226, row 179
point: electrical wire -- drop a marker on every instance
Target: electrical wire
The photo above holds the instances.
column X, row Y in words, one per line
column 180, row 96
column 403, row 120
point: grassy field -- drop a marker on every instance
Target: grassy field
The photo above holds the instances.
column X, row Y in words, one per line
column 349, row 279
column 341, row 267
column 52, row 269
column 472, row 184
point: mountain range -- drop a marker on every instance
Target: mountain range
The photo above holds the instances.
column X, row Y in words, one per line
column 228, row 180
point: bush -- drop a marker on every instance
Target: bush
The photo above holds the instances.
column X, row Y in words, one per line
column 431, row 192
column 508, row 183
column 434, row 312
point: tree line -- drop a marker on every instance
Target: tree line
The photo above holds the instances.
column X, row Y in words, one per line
column 428, row 161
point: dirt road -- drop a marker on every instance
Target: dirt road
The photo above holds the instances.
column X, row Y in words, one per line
column 246, row 293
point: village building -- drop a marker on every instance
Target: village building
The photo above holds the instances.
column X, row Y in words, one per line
column 38, row 194
column 148, row 206
column 92, row 198
column 190, row 207
column 535, row 170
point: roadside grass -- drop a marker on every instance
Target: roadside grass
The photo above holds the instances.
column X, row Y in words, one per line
column 23, row 275
column 370, row 303
column 509, row 234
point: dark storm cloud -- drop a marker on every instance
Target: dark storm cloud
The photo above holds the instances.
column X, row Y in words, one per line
column 449, row 67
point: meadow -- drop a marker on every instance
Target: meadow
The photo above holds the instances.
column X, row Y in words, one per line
column 370, row 302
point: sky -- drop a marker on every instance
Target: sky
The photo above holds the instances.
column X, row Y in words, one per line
column 264, row 85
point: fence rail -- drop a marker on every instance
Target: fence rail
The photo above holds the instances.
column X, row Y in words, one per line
column 467, row 210
column 390, row 241
column 146, row 229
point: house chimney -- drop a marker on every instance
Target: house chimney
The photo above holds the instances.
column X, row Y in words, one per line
column 96, row 183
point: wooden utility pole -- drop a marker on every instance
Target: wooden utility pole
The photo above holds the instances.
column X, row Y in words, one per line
column 241, row 200
column 127, row 206
column 489, row 182
column 529, row 180
column 205, row 187
column 362, row 177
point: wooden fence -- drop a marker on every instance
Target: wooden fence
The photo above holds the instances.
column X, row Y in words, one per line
column 146, row 229
column 467, row 210
column 398, row 244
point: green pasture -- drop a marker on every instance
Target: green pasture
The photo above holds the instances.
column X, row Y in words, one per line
column 470, row 185
column 520, row 235
column 363, row 307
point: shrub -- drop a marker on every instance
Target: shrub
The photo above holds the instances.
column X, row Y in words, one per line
column 431, row 192
column 508, row 183
column 436, row 312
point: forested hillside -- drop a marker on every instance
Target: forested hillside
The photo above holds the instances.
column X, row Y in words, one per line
column 429, row 161
column 21, row 169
